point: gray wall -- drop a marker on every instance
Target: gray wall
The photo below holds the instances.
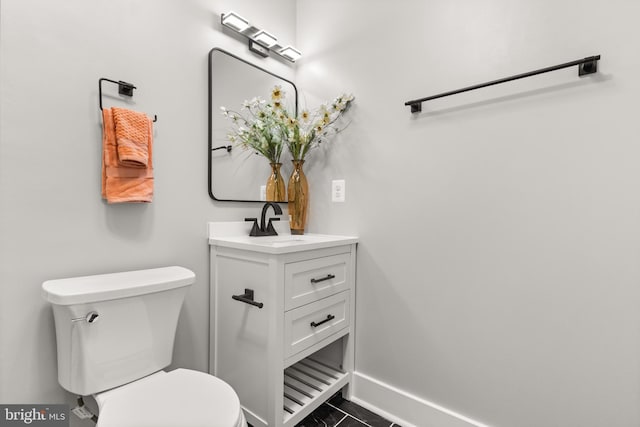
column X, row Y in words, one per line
column 499, row 229
column 53, row 222
column 498, row 263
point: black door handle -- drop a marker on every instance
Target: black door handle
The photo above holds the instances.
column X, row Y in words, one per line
column 247, row 298
column 322, row 279
column 329, row 317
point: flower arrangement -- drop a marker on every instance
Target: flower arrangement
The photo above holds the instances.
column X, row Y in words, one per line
column 267, row 126
column 307, row 131
column 257, row 128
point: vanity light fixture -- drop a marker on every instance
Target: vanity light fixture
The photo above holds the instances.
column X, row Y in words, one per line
column 265, row 38
column 235, row 21
column 291, row 53
column 260, row 41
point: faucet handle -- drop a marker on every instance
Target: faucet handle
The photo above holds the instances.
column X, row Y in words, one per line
column 254, row 229
column 270, row 231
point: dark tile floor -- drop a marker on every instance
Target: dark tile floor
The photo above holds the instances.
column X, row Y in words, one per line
column 338, row 412
column 342, row 413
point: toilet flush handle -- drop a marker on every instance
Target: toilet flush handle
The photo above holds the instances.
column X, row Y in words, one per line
column 91, row 317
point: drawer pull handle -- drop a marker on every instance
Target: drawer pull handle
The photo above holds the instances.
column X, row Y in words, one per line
column 322, row 279
column 247, row 298
column 329, row 317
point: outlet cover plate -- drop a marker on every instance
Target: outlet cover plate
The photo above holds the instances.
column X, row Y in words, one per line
column 338, row 190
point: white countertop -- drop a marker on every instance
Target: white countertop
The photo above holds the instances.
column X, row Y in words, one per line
column 236, row 235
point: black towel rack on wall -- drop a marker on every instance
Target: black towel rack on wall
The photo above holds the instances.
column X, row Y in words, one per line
column 586, row 66
column 124, row 88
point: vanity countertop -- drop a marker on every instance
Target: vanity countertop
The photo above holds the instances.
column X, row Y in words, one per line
column 236, row 235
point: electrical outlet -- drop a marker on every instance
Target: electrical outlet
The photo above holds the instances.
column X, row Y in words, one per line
column 263, row 193
column 337, row 190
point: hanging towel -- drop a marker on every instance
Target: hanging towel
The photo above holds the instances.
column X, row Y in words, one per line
column 121, row 182
column 132, row 137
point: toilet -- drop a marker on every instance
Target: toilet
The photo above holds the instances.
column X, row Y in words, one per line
column 115, row 335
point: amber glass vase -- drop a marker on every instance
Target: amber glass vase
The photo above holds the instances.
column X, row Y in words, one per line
column 275, row 185
column 298, row 198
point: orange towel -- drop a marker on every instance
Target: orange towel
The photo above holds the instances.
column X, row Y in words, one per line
column 132, row 137
column 121, row 182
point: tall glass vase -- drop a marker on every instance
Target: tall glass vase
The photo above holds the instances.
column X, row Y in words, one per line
column 298, row 198
column 275, row 185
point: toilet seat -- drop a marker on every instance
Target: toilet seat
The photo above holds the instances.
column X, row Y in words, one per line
column 181, row 397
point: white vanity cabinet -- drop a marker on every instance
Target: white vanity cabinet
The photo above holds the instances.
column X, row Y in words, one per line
column 282, row 320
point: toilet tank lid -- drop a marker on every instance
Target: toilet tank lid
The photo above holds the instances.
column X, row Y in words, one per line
column 102, row 287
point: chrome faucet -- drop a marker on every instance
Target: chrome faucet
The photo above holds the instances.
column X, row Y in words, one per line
column 265, row 230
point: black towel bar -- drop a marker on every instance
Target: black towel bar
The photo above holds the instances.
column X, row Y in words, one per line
column 247, row 298
column 586, row 66
column 124, row 88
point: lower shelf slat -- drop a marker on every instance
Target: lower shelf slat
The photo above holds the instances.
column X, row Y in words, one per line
column 299, row 385
column 310, row 383
column 295, row 395
column 319, row 377
column 320, row 367
column 290, row 406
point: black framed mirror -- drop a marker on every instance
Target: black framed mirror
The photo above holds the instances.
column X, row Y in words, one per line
column 235, row 174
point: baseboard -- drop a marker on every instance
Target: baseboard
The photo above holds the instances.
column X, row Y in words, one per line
column 404, row 408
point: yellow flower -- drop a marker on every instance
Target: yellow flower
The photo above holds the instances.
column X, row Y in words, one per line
column 277, row 104
column 276, row 93
column 291, row 122
column 305, row 115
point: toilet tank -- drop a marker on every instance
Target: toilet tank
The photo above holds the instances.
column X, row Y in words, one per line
column 112, row 329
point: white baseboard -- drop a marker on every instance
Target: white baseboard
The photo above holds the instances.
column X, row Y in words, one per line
column 404, row 408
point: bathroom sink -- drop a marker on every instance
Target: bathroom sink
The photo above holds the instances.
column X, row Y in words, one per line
column 235, row 235
column 284, row 240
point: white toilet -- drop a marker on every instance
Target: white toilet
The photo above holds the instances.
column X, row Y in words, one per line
column 115, row 334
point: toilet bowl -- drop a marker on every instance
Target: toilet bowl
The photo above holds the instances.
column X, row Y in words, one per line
column 115, row 335
column 181, row 397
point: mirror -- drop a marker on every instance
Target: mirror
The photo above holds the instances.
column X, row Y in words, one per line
column 236, row 174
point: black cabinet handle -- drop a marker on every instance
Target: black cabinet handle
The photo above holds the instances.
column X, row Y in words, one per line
column 322, row 279
column 329, row 317
column 247, row 298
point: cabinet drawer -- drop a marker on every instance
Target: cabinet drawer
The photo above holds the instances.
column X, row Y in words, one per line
column 314, row 322
column 311, row 280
